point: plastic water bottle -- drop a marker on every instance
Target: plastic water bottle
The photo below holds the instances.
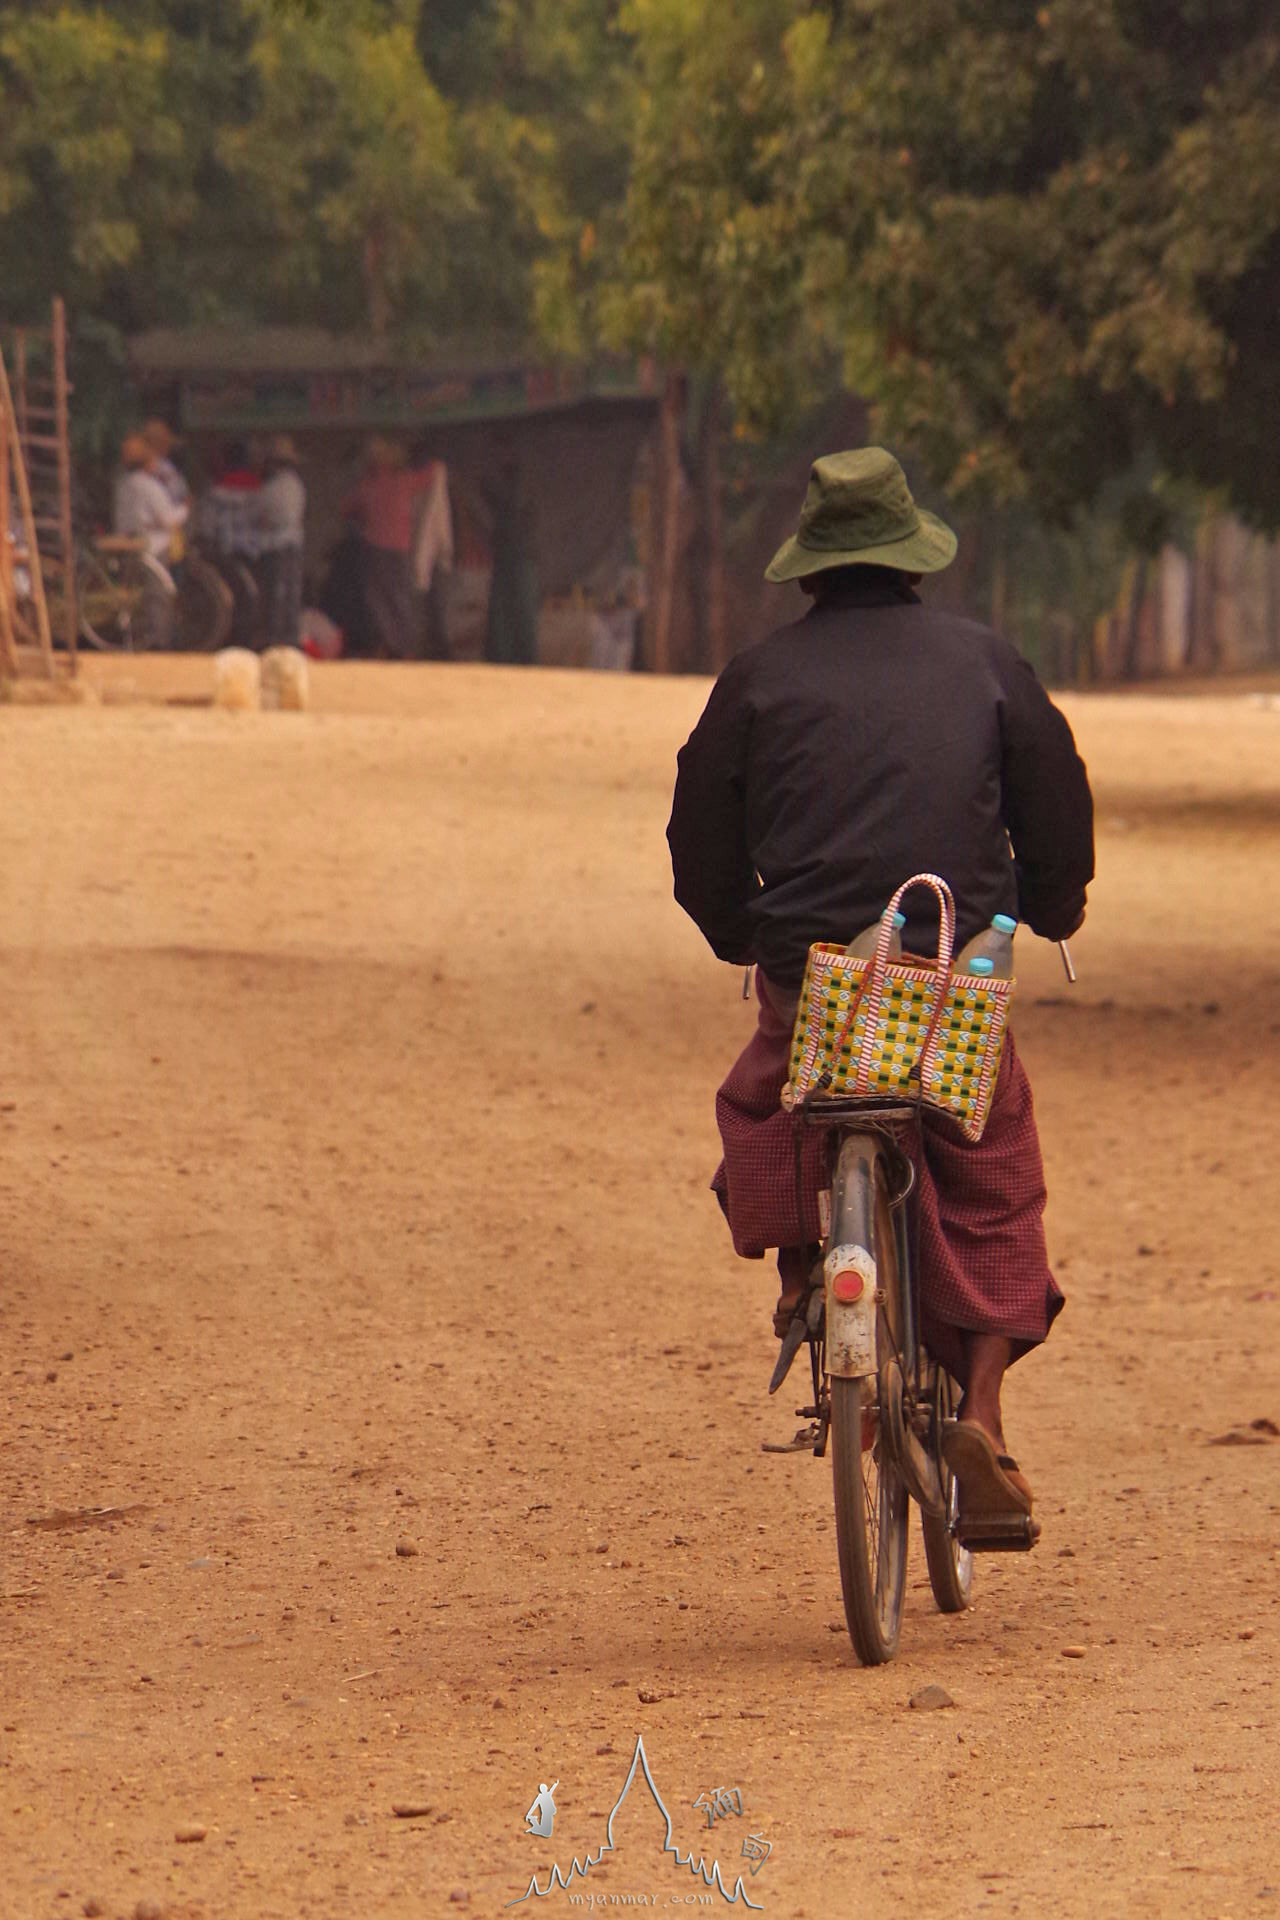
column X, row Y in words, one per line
column 992, row 951
column 865, row 944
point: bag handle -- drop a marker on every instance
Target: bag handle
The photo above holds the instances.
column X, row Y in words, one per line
column 873, row 987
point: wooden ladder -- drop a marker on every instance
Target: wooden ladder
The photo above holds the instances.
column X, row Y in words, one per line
column 35, row 455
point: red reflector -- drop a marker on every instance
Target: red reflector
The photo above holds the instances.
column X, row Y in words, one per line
column 847, row 1286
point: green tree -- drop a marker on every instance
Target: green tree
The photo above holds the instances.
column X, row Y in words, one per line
column 546, row 102
column 1042, row 241
column 696, row 257
column 94, row 162
column 346, row 165
column 261, row 160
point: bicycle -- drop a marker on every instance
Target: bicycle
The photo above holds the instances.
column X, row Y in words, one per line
column 878, row 1396
column 116, row 579
column 206, row 604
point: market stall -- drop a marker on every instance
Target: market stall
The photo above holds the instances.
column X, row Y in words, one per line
column 553, row 461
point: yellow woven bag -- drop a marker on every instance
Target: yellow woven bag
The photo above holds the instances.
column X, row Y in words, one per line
column 906, row 1029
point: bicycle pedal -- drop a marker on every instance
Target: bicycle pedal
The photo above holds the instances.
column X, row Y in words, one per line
column 1017, row 1534
column 806, row 1439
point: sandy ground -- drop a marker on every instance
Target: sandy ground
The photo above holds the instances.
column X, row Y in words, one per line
column 383, row 1402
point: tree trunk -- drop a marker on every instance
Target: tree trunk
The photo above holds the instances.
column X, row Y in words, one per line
column 667, row 495
column 1133, row 632
column 374, row 263
column 711, row 510
column 957, row 586
column 1204, row 642
column 999, row 573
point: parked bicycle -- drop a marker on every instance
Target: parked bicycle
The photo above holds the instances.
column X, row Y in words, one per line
column 118, row 581
column 115, row 578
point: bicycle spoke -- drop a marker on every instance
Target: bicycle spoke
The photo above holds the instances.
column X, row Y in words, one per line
column 871, row 1501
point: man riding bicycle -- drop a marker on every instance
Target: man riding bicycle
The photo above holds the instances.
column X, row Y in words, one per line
column 875, row 739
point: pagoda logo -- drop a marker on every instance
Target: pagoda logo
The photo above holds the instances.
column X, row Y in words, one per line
column 705, row 1870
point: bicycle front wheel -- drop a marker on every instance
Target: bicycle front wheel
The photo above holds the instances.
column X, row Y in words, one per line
column 871, row 1497
column 871, row 1523
column 104, row 606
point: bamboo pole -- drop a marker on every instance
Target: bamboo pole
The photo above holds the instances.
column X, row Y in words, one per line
column 28, row 521
column 70, row 617
column 20, row 383
column 8, row 642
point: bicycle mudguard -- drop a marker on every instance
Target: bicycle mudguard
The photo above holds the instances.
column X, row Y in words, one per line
column 849, row 1277
column 850, row 1280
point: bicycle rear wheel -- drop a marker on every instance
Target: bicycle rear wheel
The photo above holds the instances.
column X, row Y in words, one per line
column 205, row 606
column 871, row 1497
column 950, row 1564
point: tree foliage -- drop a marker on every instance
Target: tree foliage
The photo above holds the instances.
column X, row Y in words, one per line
column 262, row 160
column 351, row 152
column 94, row 162
column 1044, row 240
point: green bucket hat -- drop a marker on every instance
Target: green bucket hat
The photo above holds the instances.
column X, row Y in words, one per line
column 858, row 512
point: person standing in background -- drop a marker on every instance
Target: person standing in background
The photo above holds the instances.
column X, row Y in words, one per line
column 514, row 598
column 384, row 508
column 281, row 519
column 204, row 605
column 143, row 508
column 144, row 511
column 162, row 440
column 433, row 556
column 228, row 530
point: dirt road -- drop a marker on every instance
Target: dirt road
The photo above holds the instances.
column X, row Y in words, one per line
column 382, row 1401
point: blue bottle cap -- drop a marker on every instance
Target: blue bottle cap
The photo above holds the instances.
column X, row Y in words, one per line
column 899, row 921
column 982, row 965
column 1003, row 924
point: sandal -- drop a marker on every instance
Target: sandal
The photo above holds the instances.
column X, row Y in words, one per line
column 991, row 1487
column 794, row 1322
column 800, row 1274
column 786, row 1311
